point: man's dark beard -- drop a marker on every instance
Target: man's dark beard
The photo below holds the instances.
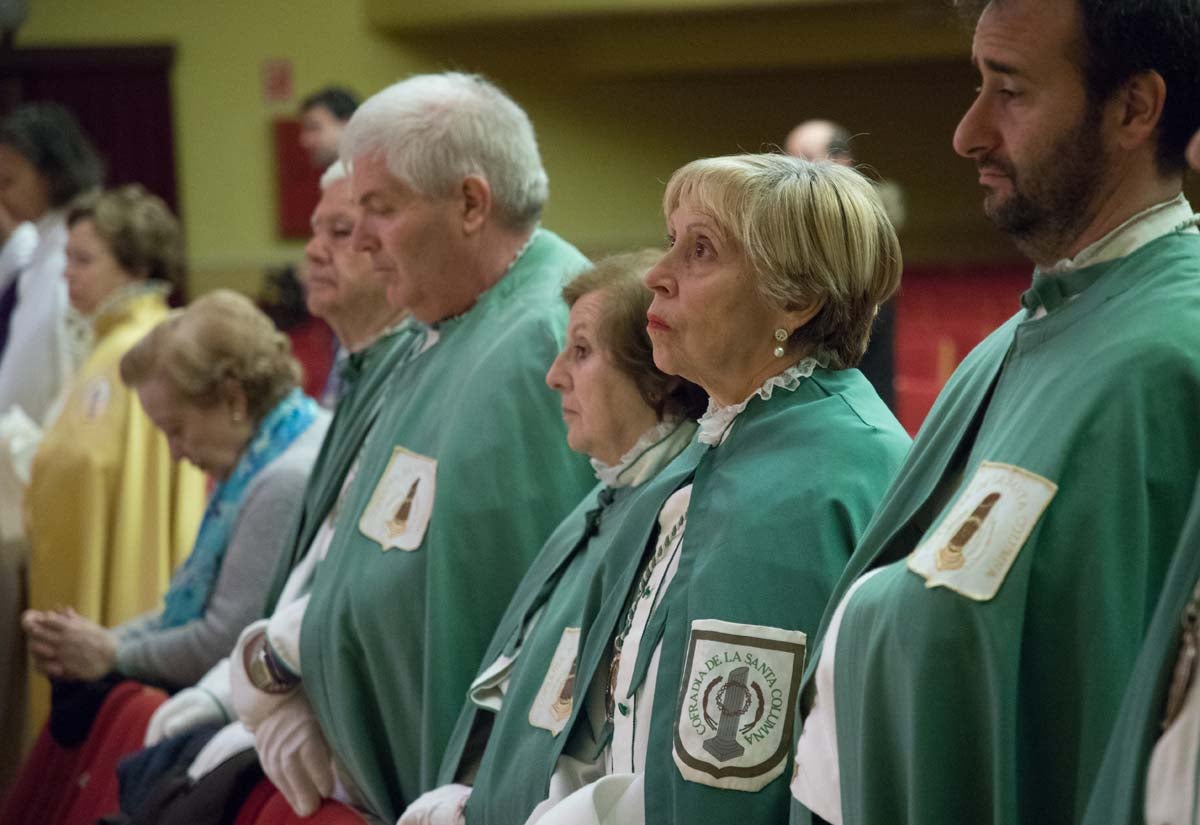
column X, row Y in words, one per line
column 1052, row 202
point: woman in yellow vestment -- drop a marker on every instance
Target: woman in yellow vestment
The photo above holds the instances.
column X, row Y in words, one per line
column 109, row 513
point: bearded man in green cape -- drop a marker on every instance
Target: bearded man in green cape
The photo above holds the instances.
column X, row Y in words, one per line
column 974, row 655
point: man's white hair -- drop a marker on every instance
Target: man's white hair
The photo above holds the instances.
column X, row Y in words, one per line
column 434, row 130
column 333, row 173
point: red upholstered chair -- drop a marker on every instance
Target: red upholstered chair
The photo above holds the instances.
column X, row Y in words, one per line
column 76, row 786
column 119, row 730
column 38, row 796
column 255, row 802
column 277, row 811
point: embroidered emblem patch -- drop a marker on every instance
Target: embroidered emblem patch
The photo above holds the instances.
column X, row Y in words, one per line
column 552, row 706
column 400, row 508
column 975, row 545
column 96, row 396
column 737, row 704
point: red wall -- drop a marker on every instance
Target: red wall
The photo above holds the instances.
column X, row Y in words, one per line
column 941, row 314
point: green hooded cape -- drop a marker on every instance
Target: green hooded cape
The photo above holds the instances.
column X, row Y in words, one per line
column 578, row 582
column 1120, row 787
column 775, row 511
column 364, row 377
column 983, row 688
column 463, row 477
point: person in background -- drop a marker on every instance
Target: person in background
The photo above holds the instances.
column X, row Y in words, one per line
column 111, row 511
column 219, row 385
column 17, row 242
column 824, row 139
column 465, row 474
column 45, row 162
column 972, row 662
column 323, row 116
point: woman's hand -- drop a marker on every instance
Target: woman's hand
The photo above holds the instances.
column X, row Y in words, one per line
column 65, row 645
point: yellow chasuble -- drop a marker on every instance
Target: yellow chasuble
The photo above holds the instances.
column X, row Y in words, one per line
column 109, row 514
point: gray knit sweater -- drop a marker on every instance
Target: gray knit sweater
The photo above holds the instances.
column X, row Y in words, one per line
column 179, row 656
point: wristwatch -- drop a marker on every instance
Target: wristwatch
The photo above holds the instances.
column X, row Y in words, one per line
column 265, row 669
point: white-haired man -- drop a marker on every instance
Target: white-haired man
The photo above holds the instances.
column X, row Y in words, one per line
column 464, row 476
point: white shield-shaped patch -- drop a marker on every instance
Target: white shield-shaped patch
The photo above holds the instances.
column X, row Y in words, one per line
column 737, row 704
column 400, row 507
column 975, row 545
column 552, row 706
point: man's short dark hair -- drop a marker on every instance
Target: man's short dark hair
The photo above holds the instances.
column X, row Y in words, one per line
column 49, row 137
column 340, row 101
column 1123, row 38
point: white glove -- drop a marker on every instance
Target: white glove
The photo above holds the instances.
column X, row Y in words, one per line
column 442, row 806
column 228, row 741
column 295, row 755
column 185, row 710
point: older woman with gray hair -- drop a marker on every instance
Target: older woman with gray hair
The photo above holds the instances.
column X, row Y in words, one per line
column 635, row 422
column 682, row 693
column 220, row 383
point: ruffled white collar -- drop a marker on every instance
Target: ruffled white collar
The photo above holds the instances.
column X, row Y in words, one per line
column 717, row 421
column 650, row 453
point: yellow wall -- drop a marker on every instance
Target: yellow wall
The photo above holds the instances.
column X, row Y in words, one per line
column 222, row 124
column 619, row 102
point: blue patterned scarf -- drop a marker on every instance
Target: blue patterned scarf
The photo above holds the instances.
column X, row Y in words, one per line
column 192, row 584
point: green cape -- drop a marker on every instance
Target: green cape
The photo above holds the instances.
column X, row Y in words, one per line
column 578, row 581
column 463, row 477
column 364, row 378
column 953, row 709
column 1120, row 786
column 775, row 513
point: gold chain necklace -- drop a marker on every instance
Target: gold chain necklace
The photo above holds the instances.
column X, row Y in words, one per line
column 640, row 592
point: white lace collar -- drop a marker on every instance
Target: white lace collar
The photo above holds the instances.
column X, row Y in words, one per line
column 1173, row 215
column 650, row 453
column 716, row 422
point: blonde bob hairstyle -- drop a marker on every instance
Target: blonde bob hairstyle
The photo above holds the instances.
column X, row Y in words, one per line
column 812, row 232
column 218, row 338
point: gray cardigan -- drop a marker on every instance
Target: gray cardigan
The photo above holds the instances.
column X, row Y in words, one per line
column 179, row 656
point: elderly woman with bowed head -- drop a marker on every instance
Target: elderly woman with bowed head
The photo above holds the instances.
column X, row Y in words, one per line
column 636, row 423
column 219, row 382
column 677, row 704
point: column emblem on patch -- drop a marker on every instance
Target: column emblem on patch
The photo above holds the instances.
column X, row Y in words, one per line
column 400, row 507
column 950, row 557
column 737, row 704
column 973, row 547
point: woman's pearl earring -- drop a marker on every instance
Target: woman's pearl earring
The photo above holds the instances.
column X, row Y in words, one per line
column 781, row 335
